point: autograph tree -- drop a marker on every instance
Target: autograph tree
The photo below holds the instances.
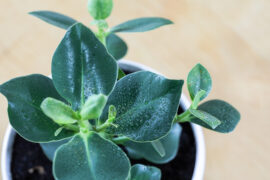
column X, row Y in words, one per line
column 90, row 106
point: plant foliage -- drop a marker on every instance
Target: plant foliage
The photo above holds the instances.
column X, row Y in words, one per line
column 90, row 106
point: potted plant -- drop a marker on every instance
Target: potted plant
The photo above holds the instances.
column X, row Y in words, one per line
column 99, row 119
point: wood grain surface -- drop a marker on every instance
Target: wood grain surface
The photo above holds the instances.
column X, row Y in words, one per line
column 231, row 38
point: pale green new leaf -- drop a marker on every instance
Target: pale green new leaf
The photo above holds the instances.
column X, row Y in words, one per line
column 93, row 107
column 199, row 79
column 210, row 120
column 100, row 9
column 58, row 111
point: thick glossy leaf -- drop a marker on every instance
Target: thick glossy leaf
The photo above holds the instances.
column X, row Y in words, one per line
column 116, row 46
column 210, row 120
column 146, row 104
column 90, row 156
column 54, row 18
column 223, row 111
column 142, row 172
column 145, row 150
column 25, row 94
column 141, row 25
column 199, row 79
column 82, row 67
column 58, row 111
column 100, row 9
column 49, row 149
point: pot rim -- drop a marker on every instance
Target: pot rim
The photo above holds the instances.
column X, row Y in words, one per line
column 184, row 102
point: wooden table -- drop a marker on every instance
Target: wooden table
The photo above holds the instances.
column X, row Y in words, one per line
column 231, row 38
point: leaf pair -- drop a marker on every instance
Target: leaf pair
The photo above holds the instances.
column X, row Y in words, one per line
column 115, row 45
column 215, row 114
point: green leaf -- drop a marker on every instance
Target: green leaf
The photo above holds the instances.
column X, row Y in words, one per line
column 49, row 149
column 54, row 18
column 25, row 95
column 146, row 104
column 93, row 107
column 100, row 9
column 210, row 120
column 145, row 150
column 223, row 111
column 58, row 111
column 141, row 25
column 116, row 46
column 112, row 112
column 82, row 67
column 121, row 74
column 197, row 99
column 142, row 172
column 199, row 79
column 90, row 156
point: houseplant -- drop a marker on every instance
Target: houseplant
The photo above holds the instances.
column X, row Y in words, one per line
column 83, row 113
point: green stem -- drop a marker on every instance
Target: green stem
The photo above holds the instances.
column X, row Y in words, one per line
column 84, row 125
column 184, row 117
column 72, row 127
column 109, row 122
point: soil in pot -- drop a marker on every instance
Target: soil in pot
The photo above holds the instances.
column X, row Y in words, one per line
column 30, row 163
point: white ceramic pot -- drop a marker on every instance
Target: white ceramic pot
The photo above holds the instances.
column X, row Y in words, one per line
column 132, row 66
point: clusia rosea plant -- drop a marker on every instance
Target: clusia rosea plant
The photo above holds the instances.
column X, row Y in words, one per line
column 89, row 107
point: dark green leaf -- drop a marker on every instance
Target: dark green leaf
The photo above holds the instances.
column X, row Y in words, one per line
column 146, row 104
column 142, row 172
column 223, row 111
column 54, row 18
column 210, row 120
column 25, row 94
column 116, row 46
column 82, row 67
column 199, row 79
column 100, row 9
column 145, row 150
column 50, row 148
column 90, row 156
column 141, row 25
column 121, row 74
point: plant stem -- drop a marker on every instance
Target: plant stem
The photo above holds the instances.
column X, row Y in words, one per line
column 184, row 117
column 72, row 127
column 84, row 125
column 107, row 123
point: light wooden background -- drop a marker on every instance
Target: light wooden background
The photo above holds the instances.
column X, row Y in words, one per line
column 231, row 38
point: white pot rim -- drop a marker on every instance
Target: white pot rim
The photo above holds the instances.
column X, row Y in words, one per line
column 198, row 172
